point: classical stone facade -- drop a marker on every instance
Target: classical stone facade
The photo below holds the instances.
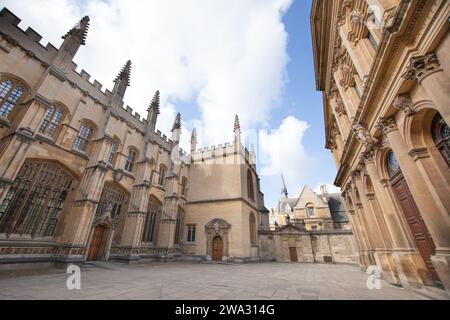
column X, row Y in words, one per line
column 84, row 178
column 311, row 228
column 384, row 70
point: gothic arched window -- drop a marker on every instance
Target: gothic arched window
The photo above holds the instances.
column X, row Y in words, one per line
column 84, row 137
column 114, row 148
column 184, row 186
column 162, row 174
column 112, row 200
column 52, row 121
column 393, row 167
column 310, row 210
column 151, row 222
column 131, row 159
column 252, row 225
column 34, row 202
column 250, row 187
column 178, row 225
column 441, row 136
column 10, row 95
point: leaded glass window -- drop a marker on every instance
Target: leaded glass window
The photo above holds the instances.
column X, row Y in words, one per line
column 129, row 165
column 84, row 136
column 112, row 201
column 52, row 121
column 10, row 94
column 35, row 201
column 151, row 222
column 441, row 136
column 392, row 164
column 114, row 148
column 162, row 173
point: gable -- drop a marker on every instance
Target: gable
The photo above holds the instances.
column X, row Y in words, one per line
column 309, row 196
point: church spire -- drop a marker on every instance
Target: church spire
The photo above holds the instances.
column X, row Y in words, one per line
column 284, row 191
column 73, row 40
column 194, row 140
column 121, row 83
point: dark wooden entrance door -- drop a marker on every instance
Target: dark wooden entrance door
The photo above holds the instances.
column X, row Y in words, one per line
column 419, row 230
column 293, row 254
column 217, row 249
column 96, row 243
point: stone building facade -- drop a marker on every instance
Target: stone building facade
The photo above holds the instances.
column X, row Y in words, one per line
column 82, row 177
column 384, row 69
column 311, row 228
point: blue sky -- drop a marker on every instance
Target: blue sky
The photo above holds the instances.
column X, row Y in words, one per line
column 210, row 60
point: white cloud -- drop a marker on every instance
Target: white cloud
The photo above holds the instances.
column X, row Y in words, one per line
column 282, row 151
column 228, row 55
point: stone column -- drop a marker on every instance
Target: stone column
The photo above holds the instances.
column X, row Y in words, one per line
column 168, row 220
column 373, row 229
column 135, row 219
column 432, row 210
column 427, row 71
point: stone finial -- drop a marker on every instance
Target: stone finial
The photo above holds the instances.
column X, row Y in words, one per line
column 177, row 123
column 237, row 125
column 421, row 67
column 404, row 103
column 364, row 136
column 79, row 31
column 155, row 104
column 124, row 74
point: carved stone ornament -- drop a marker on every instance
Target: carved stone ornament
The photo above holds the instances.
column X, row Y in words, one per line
column 386, row 125
column 421, row 67
column 404, row 103
column 364, row 136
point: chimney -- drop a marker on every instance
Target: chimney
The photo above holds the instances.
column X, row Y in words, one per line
column 324, row 191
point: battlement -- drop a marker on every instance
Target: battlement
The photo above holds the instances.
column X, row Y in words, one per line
column 219, row 154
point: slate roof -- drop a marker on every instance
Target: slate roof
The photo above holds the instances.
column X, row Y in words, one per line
column 337, row 208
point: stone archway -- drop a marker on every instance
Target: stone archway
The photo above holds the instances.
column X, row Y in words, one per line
column 217, row 237
column 101, row 238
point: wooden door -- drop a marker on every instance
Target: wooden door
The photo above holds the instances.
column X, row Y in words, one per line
column 217, row 252
column 293, row 254
column 419, row 230
column 96, row 242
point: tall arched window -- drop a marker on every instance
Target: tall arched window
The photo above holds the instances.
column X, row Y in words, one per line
column 184, row 186
column 250, row 187
column 151, row 222
column 112, row 200
column 10, row 95
column 34, row 202
column 441, row 136
column 84, row 137
column 131, row 159
column 310, row 210
column 52, row 121
column 252, row 224
column 162, row 174
column 178, row 225
column 393, row 167
column 114, row 148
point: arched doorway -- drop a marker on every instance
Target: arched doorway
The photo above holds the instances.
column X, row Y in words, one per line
column 96, row 243
column 419, row 230
column 108, row 222
column 217, row 250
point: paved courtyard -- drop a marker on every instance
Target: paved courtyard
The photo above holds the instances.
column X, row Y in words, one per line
column 196, row 281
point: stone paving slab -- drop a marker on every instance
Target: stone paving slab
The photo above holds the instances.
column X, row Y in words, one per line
column 197, row 281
